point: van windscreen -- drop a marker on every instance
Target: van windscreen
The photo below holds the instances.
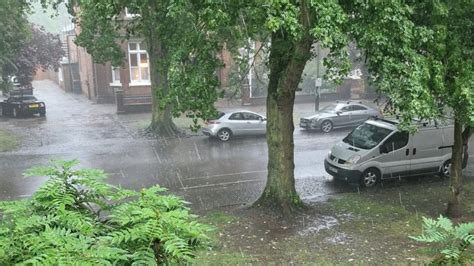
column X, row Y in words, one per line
column 366, row 136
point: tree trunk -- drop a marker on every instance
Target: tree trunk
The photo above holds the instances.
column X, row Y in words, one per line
column 287, row 61
column 162, row 118
column 454, row 204
column 466, row 135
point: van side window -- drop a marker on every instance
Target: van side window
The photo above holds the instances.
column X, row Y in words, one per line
column 396, row 141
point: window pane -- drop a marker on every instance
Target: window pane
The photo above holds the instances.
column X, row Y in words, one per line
column 250, row 116
column 133, row 60
column 135, row 75
column 132, row 46
column 143, row 46
column 116, row 74
column 144, row 73
column 236, row 116
column 143, row 60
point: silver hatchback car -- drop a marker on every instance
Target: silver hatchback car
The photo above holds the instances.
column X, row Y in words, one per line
column 235, row 123
column 339, row 114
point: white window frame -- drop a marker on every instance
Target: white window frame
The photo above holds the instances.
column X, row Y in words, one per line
column 115, row 81
column 130, row 15
column 137, row 53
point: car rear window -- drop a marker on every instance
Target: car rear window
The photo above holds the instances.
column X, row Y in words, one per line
column 219, row 115
column 28, row 98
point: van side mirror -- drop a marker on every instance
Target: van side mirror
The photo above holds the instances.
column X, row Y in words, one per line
column 338, row 113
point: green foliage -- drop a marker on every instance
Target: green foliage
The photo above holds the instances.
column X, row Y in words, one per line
column 76, row 218
column 451, row 244
column 419, row 54
column 14, row 30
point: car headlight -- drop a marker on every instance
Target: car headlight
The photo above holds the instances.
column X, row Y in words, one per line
column 329, row 153
column 353, row 159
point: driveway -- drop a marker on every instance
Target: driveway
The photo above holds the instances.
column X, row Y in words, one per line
column 205, row 172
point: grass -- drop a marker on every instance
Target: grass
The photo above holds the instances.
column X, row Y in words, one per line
column 8, row 141
column 368, row 228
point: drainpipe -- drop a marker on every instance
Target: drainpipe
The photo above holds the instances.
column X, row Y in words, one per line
column 94, row 79
column 69, row 62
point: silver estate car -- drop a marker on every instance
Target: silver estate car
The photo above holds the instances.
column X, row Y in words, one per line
column 339, row 114
column 235, row 123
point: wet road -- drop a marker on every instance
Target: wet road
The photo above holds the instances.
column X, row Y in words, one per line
column 205, row 172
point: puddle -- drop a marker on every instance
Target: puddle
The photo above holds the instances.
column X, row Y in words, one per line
column 321, row 223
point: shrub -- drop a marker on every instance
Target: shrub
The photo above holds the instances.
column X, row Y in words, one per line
column 76, row 218
column 450, row 244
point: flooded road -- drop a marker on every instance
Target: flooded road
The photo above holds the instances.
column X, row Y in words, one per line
column 206, row 172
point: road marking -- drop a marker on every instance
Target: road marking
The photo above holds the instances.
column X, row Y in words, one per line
column 197, row 152
column 179, row 178
column 222, row 175
column 224, row 184
column 156, row 154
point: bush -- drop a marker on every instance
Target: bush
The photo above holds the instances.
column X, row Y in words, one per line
column 76, row 218
column 450, row 244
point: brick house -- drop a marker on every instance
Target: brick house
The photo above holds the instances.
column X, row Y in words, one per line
column 100, row 82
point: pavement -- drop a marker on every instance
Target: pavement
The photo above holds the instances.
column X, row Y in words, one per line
column 206, row 172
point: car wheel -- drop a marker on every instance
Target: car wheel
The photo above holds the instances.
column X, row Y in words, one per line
column 370, row 177
column 326, row 126
column 446, row 169
column 14, row 112
column 224, row 134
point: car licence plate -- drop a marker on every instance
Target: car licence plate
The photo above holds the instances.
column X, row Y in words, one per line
column 34, row 105
column 333, row 169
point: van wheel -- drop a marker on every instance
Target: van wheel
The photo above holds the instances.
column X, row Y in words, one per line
column 326, row 126
column 370, row 177
column 224, row 134
column 446, row 169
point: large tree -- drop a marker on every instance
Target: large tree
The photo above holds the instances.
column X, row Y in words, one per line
column 41, row 51
column 291, row 28
column 420, row 53
column 180, row 42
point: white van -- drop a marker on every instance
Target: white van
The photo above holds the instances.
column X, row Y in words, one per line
column 377, row 150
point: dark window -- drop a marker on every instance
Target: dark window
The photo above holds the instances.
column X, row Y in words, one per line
column 358, row 108
column 236, row 116
column 396, row 141
column 250, row 116
column 346, row 109
column 221, row 114
column 28, row 98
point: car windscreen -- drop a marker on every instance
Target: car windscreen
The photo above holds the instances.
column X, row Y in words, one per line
column 366, row 136
column 332, row 108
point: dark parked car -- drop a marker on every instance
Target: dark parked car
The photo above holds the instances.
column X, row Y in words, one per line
column 22, row 105
column 339, row 114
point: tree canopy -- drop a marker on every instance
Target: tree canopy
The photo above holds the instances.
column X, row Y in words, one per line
column 42, row 51
column 14, row 29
